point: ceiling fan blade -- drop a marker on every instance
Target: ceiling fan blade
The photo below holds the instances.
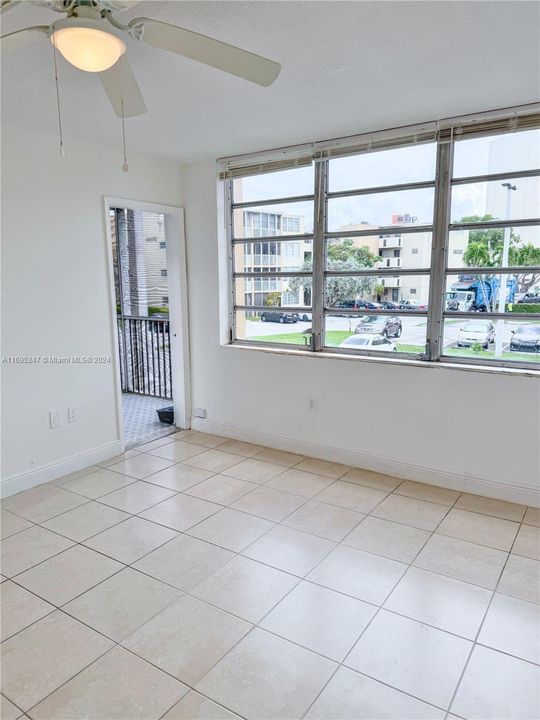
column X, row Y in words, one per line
column 23, row 38
column 119, row 82
column 206, row 50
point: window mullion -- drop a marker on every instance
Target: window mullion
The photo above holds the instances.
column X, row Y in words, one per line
column 439, row 249
column 229, row 232
column 319, row 228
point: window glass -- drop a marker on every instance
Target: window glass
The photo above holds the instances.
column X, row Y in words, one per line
column 396, row 250
column 363, row 212
column 384, row 167
column 268, row 186
column 497, row 154
column 269, row 291
column 496, row 200
column 368, row 292
column 273, row 220
column 404, row 332
column 279, row 256
column 503, row 340
column 274, row 326
column 484, row 247
column 482, row 292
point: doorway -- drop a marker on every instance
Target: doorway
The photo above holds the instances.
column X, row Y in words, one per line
column 148, row 284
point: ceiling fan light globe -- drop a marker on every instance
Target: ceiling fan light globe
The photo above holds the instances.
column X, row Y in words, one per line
column 88, row 49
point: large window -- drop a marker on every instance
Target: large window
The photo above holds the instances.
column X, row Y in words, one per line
column 427, row 248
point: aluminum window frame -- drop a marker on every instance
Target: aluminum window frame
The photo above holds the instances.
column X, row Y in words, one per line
column 440, row 228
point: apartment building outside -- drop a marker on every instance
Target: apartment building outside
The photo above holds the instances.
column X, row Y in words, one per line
column 412, row 250
column 140, row 263
column 269, row 257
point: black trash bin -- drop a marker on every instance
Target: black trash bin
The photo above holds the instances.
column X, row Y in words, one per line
column 166, row 415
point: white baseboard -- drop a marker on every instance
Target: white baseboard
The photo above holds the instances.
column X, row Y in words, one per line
column 38, row 476
column 523, row 494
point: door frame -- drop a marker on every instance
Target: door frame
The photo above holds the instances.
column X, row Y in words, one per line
column 175, row 250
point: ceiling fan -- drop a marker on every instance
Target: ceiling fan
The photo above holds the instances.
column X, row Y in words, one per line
column 92, row 39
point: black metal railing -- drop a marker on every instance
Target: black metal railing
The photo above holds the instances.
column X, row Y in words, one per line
column 145, row 355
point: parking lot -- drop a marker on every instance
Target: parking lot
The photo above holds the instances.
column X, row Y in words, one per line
column 413, row 329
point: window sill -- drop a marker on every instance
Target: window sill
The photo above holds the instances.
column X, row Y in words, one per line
column 404, row 362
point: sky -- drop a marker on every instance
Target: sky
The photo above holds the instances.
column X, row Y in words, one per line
column 509, row 152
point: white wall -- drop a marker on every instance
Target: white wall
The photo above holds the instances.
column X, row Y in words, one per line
column 56, row 296
column 445, row 427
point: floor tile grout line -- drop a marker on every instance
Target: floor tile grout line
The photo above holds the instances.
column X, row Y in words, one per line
column 27, row 712
column 386, row 684
column 191, row 687
column 475, row 542
column 15, row 704
column 99, row 552
column 190, row 527
column 90, row 536
column 342, row 663
column 19, row 532
column 54, row 609
column 372, row 619
column 98, row 500
column 475, row 641
column 199, row 497
column 95, row 499
column 505, row 652
column 52, row 517
column 325, row 537
column 21, row 572
column 153, row 453
column 410, row 564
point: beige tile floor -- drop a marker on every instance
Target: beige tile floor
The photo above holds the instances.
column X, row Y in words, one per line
column 198, row 577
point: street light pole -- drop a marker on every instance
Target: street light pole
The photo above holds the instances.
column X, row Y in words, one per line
column 504, row 278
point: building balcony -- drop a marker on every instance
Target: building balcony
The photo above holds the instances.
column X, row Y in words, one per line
column 390, row 241
column 390, row 282
column 390, row 262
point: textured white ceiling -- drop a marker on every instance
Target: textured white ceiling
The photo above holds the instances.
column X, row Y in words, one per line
column 347, row 67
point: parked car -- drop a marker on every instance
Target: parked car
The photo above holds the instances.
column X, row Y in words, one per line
column 526, row 338
column 412, row 305
column 369, row 342
column 384, row 325
column 387, row 305
column 476, row 332
column 305, row 317
column 530, row 298
column 280, row 317
column 368, row 305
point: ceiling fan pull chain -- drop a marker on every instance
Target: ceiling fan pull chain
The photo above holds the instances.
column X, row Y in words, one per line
column 62, row 154
column 125, row 166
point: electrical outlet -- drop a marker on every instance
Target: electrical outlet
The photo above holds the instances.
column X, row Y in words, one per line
column 72, row 414
column 55, row 419
column 313, row 403
column 199, row 412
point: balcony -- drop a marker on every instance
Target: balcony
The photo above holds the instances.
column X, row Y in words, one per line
column 391, row 263
column 390, row 282
column 390, row 241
